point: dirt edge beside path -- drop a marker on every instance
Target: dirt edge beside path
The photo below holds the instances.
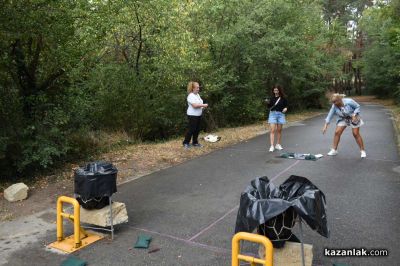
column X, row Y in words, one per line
column 133, row 161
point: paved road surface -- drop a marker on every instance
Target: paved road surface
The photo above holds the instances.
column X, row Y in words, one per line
column 190, row 209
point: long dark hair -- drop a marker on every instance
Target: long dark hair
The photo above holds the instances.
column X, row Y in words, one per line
column 281, row 91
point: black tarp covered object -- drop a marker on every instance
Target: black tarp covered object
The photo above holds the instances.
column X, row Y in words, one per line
column 94, row 183
column 262, row 201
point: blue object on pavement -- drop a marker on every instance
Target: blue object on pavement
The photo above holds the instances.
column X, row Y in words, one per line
column 143, row 241
column 73, row 261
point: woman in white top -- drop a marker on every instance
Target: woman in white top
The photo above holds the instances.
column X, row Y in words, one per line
column 348, row 112
column 194, row 112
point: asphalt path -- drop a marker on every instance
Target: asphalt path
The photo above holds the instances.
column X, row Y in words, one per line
column 190, row 209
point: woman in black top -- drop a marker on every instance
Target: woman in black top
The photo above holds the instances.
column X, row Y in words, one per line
column 277, row 108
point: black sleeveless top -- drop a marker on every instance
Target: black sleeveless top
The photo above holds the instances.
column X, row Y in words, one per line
column 282, row 104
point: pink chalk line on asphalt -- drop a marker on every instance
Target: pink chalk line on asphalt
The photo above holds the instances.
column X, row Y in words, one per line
column 233, row 209
column 205, row 246
column 208, row 247
column 214, row 223
column 283, row 171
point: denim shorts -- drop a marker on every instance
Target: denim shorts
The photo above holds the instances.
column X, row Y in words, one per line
column 276, row 117
column 348, row 123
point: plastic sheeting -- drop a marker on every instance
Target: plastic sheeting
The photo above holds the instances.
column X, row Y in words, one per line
column 262, row 201
column 97, row 179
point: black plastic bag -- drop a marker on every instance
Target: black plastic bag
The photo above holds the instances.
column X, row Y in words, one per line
column 94, row 203
column 94, row 184
column 262, row 201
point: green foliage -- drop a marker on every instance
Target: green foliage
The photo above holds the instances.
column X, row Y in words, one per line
column 39, row 48
column 381, row 60
column 68, row 68
column 256, row 44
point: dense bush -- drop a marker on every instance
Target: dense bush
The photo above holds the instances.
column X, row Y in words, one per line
column 71, row 68
column 381, row 59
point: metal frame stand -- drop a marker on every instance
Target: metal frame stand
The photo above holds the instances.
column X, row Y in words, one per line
column 111, row 222
column 301, row 241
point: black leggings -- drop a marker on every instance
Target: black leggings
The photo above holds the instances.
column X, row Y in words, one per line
column 194, row 129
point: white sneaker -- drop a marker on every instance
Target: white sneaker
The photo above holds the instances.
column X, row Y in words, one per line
column 271, row 149
column 363, row 154
column 332, row 152
column 278, row 147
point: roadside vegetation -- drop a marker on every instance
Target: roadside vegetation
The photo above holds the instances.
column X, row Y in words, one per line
column 81, row 79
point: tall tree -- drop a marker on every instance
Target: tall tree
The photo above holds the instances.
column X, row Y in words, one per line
column 381, row 60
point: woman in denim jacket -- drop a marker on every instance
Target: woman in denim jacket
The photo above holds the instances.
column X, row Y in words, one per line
column 348, row 112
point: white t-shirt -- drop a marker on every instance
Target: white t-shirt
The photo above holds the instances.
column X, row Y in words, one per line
column 194, row 98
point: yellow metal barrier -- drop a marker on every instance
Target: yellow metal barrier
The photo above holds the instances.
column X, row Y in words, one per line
column 75, row 218
column 71, row 244
column 267, row 261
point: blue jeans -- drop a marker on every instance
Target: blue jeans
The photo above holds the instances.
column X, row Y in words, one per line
column 276, row 117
